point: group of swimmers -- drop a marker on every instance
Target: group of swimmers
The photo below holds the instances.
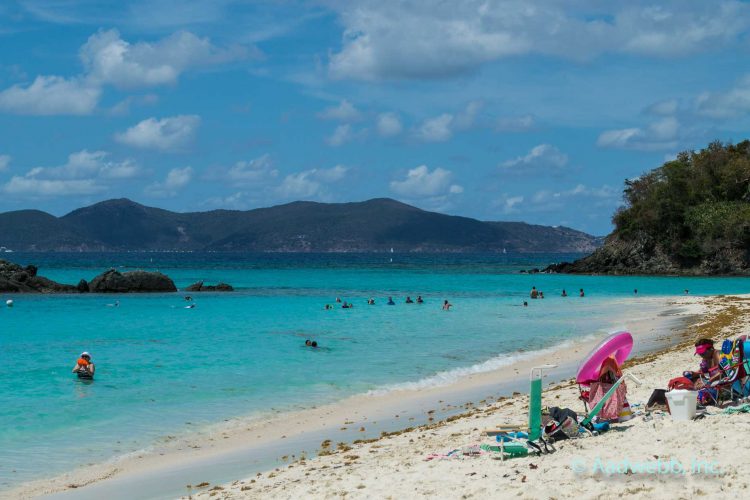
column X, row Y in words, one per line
column 371, row 302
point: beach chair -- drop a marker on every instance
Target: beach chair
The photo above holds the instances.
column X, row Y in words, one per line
column 515, row 441
column 735, row 364
column 588, row 421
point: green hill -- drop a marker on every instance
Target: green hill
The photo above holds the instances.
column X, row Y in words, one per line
column 369, row 226
column 689, row 216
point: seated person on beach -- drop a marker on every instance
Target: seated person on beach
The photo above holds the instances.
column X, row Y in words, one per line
column 408, row 300
column 710, row 370
column 390, row 302
column 447, row 305
column 534, row 294
column 419, row 299
column 84, row 366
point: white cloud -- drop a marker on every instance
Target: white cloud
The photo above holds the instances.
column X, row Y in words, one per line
column 420, row 182
column 341, row 135
column 436, row 129
column 508, row 204
column 51, row 95
column 108, row 59
column 344, row 112
column 176, row 180
column 166, row 134
column 515, row 124
column 388, row 124
column 255, row 171
column 4, row 162
column 442, row 127
column 85, row 172
column 659, row 135
column 604, row 197
column 541, row 156
column 663, row 108
column 33, row 186
column 390, row 39
column 310, row 183
column 731, row 103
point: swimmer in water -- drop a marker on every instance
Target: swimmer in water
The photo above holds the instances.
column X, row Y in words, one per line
column 581, row 294
column 308, row 342
column 525, row 304
column 447, row 305
column 328, row 306
column 314, row 344
column 390, row 301
column 338, row 300
column 419, row 299
column 408, row 300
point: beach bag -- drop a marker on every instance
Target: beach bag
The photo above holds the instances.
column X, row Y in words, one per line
column 612, row 408
column 681, row 383
column 560, row 423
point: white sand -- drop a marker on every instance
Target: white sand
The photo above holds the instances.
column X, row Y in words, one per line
column 395, row 466
column 711, row 451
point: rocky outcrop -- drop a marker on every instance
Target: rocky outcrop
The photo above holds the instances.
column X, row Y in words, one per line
column 113, row 281
column 200, row 287
column 17, row 279
column 642, row 255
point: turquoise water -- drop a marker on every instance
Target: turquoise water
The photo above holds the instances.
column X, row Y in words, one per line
column 163, row 369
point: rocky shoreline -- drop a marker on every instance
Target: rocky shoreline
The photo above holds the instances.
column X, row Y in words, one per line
column 644, row 256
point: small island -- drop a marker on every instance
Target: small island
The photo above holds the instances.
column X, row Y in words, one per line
column 690, row 216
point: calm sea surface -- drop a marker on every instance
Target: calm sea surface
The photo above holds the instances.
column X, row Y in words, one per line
column 164, row 369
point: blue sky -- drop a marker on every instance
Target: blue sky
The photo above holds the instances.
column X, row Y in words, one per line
column 501, row 110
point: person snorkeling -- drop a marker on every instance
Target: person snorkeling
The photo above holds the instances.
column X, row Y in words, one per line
column 84, row 366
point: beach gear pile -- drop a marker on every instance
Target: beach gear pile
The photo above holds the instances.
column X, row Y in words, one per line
column 734, row 383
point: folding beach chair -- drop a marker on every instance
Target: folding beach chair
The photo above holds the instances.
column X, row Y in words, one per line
column 734, row 363
column 514, row 441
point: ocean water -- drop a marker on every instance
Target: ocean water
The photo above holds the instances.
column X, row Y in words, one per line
column 163, row 369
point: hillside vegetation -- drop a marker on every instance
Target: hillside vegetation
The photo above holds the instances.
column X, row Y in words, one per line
column 689, row 216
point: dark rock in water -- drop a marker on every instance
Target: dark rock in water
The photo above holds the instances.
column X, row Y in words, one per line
column 200, row 287
column 83, row 286
column 195, row 287
column 17, row 279
column 113, row 281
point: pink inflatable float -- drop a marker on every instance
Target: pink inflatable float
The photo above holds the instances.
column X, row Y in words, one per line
column 617, row 345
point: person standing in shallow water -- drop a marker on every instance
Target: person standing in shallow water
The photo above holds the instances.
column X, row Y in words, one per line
column 534, row 293
column 564, row 293
column 447, row 305
column 581, row 294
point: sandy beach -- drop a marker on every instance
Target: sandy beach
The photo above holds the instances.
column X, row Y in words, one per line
column 649, row 456
column 361, row 448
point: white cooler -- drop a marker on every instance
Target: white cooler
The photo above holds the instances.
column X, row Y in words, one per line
column 682, row 404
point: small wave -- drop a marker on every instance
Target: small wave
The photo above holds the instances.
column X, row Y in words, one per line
column 453, row 375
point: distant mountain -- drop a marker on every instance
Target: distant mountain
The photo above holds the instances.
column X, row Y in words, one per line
column 369, row 226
